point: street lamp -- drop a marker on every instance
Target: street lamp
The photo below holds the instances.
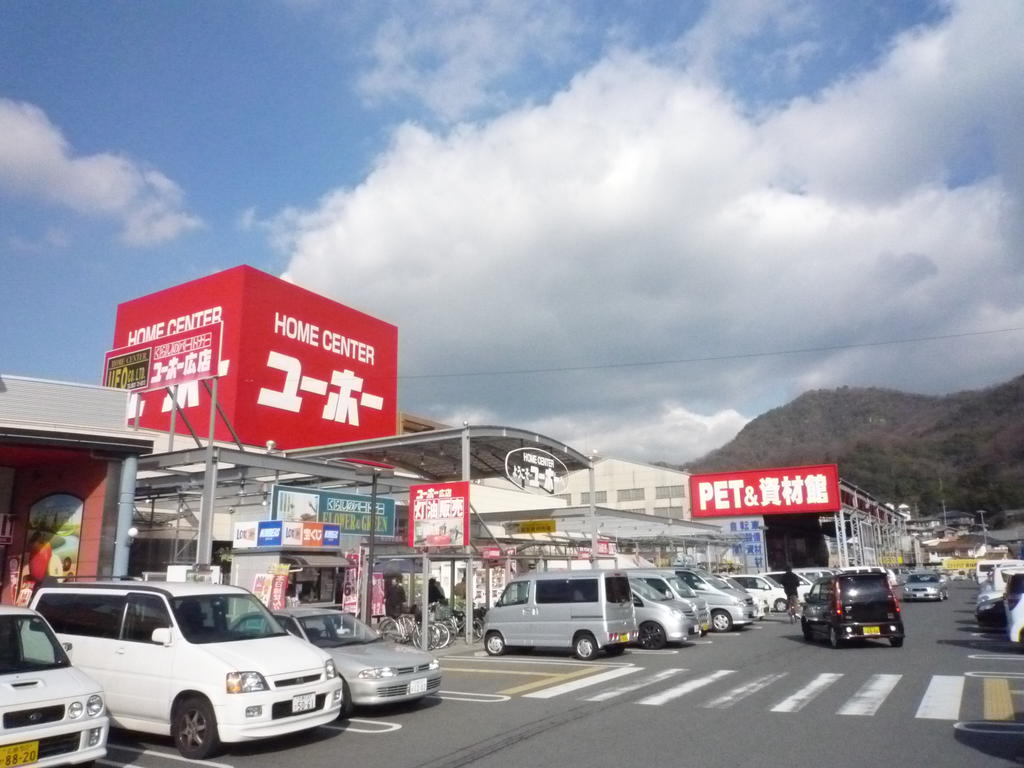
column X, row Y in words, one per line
column 984, row 528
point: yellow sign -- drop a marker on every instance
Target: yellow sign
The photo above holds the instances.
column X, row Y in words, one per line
column 952, row 564
column 532, row 526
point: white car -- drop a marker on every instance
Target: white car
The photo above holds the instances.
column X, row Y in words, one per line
column 802, row 589
column 52, row 712
column 767, row 591
column 1015, row 607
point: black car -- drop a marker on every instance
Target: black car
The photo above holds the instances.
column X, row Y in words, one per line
column 990, row 612
column 852, row 606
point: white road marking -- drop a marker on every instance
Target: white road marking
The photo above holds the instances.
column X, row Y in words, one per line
column 657, row 678
column 743, row 691
column 664, row 651
column 681, row 690
column 802, row 698
column 985, row 726
column 482, row 656
column 995, row 657
column 380, row 726
column 942, row 699
column 869, row 698
column 166, row 755
column 482, row 698
column 585, row 682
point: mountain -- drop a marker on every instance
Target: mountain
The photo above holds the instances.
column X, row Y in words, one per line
column 965, row 450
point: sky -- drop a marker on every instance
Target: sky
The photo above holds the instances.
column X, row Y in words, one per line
column 630, row 225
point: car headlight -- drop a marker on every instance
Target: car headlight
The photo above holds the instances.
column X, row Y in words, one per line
column 435, row 664
column 94, row 706
column 330, row 671
column 377, row 673
column 736, row 601
column 246, row 682
column 75, row 710
column 677, row 611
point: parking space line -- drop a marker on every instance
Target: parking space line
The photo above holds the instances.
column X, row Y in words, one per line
column 575, row 685
column 548, row 680
column 801, row 698
column 499, row 671
column 165, row 755
column 687, row 687
column 380, row 727
column 998, row 703
column 941, row 700
column 869, row 698
column 483, row 656
column 481, row 698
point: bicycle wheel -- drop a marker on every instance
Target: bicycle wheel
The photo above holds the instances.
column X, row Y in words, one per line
column 439, row 636
column 478, row 630
column 389, row 629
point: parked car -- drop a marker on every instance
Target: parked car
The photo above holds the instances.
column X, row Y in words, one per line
column 760, row 607
column 852, row 606
column 730, row 608
column 670, row 586
column 587, row 611
column 990, row 611
column 889, row 574
column 1015, row 607
column 924, row 586
column 372, row 669
column 802, row 590
column 204, row 663
column 768, row 591
column 660, row 620
column 52, row 712
column 812, row 574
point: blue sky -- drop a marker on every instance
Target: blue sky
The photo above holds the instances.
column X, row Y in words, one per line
column 617, row 210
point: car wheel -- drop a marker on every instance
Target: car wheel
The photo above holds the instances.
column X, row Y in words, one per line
column 652, row 636
column 584, row 646
column 780, row 605
column 194, row 729
column 721, row 621
column 806, row 629
column 896, row 642
column 347, row 705
column 494, row 644
column 833, row 637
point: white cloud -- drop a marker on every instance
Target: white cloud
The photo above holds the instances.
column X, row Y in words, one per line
column 37, row 162
column 643, row 215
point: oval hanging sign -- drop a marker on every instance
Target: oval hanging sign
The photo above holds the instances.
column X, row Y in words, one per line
column 535, row 469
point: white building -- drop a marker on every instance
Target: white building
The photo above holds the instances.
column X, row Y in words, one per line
column 632, row 486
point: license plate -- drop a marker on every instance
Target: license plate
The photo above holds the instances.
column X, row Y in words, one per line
column 304, row 702
column 418, row 686
column 705, row 627
column 870, row 631
column 19, row 754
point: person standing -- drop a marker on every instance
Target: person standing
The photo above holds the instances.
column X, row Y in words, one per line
column 394, row 597
column 434, row 592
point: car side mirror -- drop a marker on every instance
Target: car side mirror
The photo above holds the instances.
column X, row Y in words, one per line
column 68, row 647
column 638, row 602
column 161, row 636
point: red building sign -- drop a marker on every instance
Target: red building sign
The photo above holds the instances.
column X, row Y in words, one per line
column 439, row 515
column 295, row 367
column 766, row 491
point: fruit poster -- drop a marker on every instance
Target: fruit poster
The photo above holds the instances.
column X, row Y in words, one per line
column 51, row 540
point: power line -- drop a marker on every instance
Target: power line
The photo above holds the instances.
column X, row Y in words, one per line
column 711, row 358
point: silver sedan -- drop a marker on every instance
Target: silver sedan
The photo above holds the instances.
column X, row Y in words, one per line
column 374, row 670
column 925, row 586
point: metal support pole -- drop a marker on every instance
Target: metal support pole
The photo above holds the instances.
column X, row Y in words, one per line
column 125, row 508
column 204, row 548
column 368, row 602
column 467, row 600
column 592, row 514
column 425, row 606
column 172, row 392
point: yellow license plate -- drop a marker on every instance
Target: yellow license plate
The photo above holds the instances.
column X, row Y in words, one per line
column 870, row 630
column 19, row 754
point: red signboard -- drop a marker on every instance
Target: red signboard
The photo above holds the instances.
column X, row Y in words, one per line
column 295, row 367
column 766, row 491
column 177, row 358
column 439, row 515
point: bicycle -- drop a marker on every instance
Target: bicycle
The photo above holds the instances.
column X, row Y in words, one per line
column 793, row 607
column 405, row 629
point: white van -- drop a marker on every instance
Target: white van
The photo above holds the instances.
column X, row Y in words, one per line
column 983, row 569
column 586, row 611
column 52, row 713
column 203, row 663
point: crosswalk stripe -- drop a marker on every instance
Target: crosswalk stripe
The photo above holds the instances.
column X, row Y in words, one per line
column 941, row 700
column 741, row 692
column 575, row 685
column 803, row 697
column 687, row 687
column 611, row 694
column 869, row 698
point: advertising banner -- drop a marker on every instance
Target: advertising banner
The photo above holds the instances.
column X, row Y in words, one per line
column 244, row 536
column 269, row 533
column 52, row 539
column 350, row 512
column 177, row 358
column 790, row 490
column 295, row 367
column 751, row 531
column 535, row 469
column 439, row 515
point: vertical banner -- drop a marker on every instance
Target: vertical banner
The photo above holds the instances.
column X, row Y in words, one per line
column 377, row 601
column 350, row 586
column 51, row 540
column 439, row 515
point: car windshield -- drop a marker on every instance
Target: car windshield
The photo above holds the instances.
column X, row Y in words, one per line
column 28, row 645
column 866, row 588
column 646, row 591
column 223, row 618
column 773, row 581
column 922, row 578
column 332, row 629
column 735, row 584
column 717, row 583
column 681, row 587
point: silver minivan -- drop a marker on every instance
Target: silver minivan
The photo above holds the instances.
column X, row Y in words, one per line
column 660, row 619
column 729, row 607
column 671, row 586
column 587, row 611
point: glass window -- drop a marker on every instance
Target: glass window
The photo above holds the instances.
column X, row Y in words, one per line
column 222, row 618
column 516, row 593
column 616, row 589
column 333, row 629
column 645, row 590
column 690, row 578
column 681, row 587
column 567, row 591
column 863, row 589
column 630, row 494
column 28, row 645
column 600, row 497
column 80, row 613
column 145, row 613
column 659, row 586
column 669, row 492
